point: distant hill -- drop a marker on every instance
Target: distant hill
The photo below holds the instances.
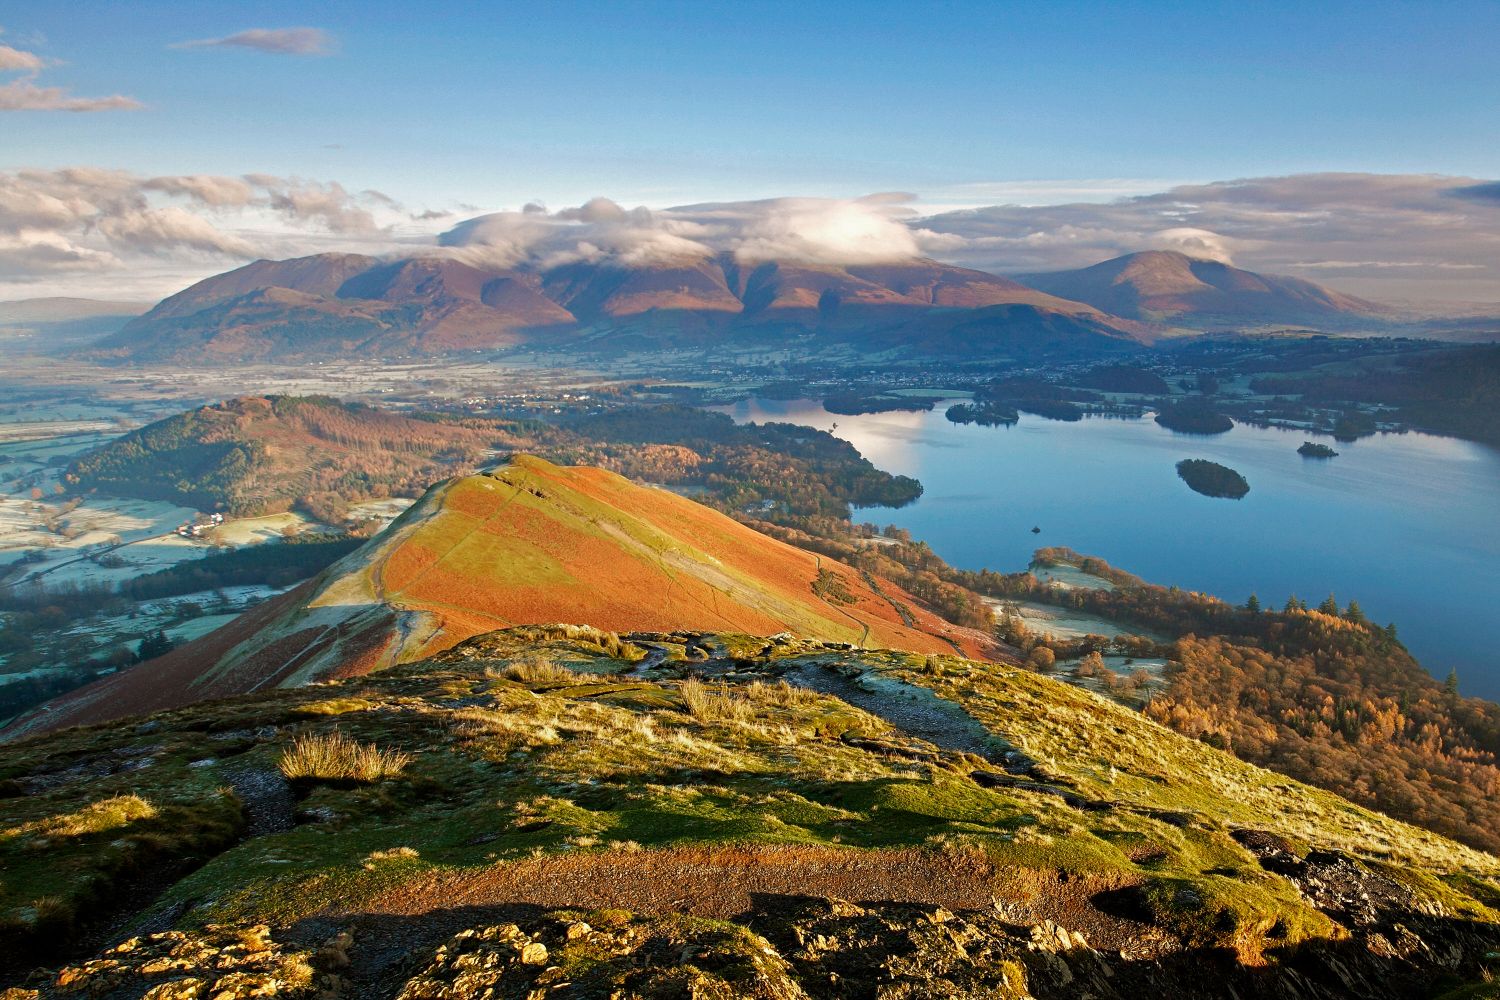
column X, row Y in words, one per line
column 348, row 305
column 47, row 324
column 1165, row 286
column 529, row 543
column 255, row 455
column 262, row 454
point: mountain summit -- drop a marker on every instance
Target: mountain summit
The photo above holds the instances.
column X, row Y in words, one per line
column 1166, row 286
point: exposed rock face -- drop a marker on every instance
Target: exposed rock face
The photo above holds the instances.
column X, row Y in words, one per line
column 220, row 962
column 789, row 949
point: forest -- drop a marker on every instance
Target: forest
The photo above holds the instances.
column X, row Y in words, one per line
column 1455, row 392
column 1318, row 693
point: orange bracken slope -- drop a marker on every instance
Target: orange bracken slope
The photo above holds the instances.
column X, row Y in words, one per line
column 528, row 543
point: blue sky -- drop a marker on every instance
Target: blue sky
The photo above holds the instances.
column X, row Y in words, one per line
column 1094, row 130
column 661, row 103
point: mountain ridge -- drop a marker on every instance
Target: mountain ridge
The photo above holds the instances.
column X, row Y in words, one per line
column 331, row 305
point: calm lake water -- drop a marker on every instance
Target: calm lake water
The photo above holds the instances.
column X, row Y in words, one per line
column 1404, row 523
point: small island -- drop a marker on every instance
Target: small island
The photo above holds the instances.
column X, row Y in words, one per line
column 1311, row 449
column 1212, row 479
column 1193, row 418
column 1051, row 409
column 983, row 414
column 853, row 404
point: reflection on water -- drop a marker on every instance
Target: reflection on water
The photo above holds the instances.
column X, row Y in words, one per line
column 1405, row 524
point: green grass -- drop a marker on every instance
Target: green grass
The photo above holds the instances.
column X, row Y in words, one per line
column 536, row 741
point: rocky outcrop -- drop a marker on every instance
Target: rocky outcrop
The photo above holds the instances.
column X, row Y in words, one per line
column 787, row 949
column 220, row 962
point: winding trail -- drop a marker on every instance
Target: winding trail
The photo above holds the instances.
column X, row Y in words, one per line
column 915, row 711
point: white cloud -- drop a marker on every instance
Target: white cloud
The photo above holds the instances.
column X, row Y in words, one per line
column 806, row 230
column 24, row 94
column 161, row 230
column 1410, row 237
column 326, row 203
column 16, row 61
column 597, row 230
column 28, row 253
column 87, row 220
column 982, row 194
column 1192, row 241
column 825, row 231
column 1383, row 237
column 277, row 41
column 210, row 189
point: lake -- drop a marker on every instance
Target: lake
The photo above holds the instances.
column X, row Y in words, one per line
column 1404, row 523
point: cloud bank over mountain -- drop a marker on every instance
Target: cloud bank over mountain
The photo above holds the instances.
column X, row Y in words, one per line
column 1420, row 237
column 95, row 229
column 92, row 231
column 870, row 230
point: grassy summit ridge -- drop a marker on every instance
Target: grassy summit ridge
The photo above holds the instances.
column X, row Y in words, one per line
column 536, row 770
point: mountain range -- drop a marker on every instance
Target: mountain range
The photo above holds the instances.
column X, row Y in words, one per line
column 63, row 322
column 332, row 305
column 344, row 305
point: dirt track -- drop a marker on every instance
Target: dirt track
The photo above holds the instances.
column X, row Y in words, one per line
column 704, row 881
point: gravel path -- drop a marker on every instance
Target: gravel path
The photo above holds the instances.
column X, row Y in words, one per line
column 269, row 803
column 914, row 710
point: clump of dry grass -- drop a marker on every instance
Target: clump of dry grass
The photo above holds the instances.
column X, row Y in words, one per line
column 374, row 858
column 537, row 670
column 336, row 757
column 740, row 704
column 97, row 817
column 781, row 694
column 481, row 723
column 707, row 705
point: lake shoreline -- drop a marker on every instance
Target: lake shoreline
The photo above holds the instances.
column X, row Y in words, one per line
column 1400, row 522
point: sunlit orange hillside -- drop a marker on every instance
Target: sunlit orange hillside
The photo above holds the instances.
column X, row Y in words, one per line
column 529, row 543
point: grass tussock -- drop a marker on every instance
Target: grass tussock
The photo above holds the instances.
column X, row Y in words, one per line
column 719, row 704
column 481, row 724
column 741, row 703
column 97, row 817
column 538, row 670
column 336, row 757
